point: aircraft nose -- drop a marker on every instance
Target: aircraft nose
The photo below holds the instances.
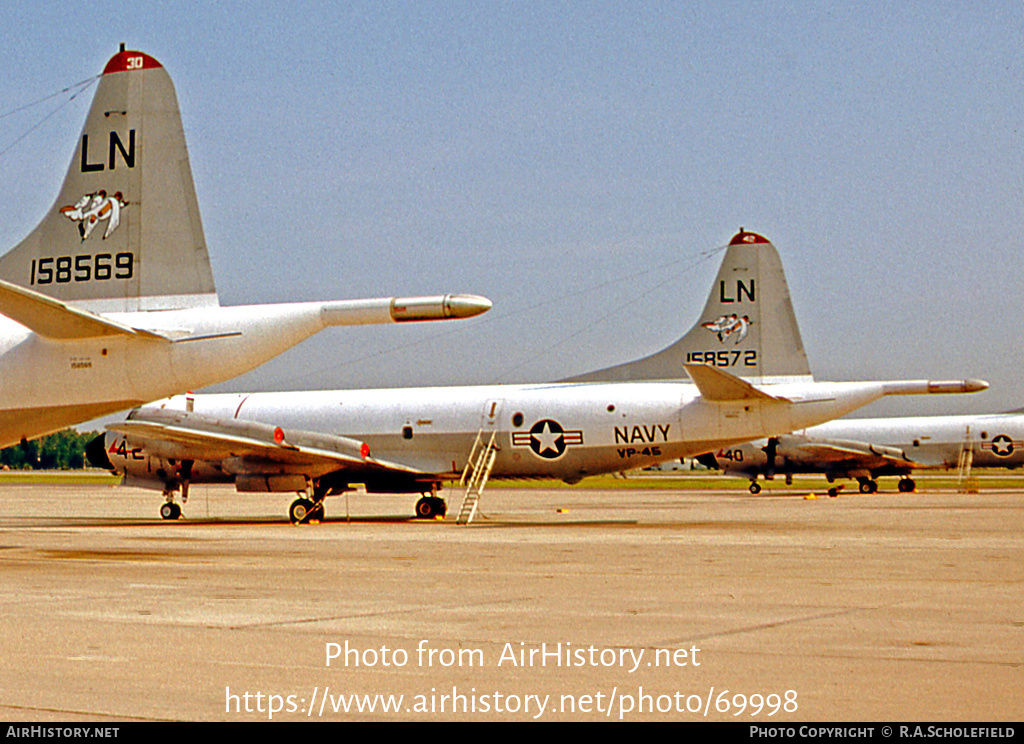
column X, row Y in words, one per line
column 96, row 453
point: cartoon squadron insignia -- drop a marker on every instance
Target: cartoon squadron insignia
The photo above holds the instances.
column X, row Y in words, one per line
column 726, row 326
column 547, row 439
column 91, row 208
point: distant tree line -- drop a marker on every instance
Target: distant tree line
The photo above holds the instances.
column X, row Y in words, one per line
column 64, row 450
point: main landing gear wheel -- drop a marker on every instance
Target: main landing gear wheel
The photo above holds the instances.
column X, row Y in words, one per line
column 303, row 511
column 755, row 488
column 429, row 507
column 868, row 486
column 906, row 485
column 170, row 510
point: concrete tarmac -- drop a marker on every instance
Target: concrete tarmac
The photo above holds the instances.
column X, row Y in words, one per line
column 555, row 605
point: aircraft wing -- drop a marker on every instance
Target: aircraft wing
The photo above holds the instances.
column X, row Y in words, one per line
column 188, row 435
column 54, row 319
column 836, row 451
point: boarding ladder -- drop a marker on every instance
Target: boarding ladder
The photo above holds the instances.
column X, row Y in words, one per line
column 474, row 477
column 964, row 482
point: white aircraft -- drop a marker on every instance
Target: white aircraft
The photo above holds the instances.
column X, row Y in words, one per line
column 409, row 441
column 99, row 319
column 868, row 448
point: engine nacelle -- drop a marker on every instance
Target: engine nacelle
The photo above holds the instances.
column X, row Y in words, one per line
column 747, row 457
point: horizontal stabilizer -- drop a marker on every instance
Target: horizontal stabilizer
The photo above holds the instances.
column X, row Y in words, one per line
column 718, row 386
column 53, row 319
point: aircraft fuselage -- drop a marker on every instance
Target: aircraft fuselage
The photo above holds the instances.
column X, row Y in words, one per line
column 997, row 440
column 566, row 431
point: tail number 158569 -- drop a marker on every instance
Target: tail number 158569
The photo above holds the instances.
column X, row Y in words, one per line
column 83, row 268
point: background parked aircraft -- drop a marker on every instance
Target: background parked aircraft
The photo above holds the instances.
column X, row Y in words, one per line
column 866, row 449
column 110, row 301
column 410, row 440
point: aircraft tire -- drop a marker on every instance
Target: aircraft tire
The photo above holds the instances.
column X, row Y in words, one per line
column 868, row 486
column 170, row 510
column 429, row 507
column 833, row 492
column 906, row 485
column 300, row 511
column 755, row 488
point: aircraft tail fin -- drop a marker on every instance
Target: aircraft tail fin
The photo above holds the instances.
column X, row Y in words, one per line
column 125, row 232
column 748, row 327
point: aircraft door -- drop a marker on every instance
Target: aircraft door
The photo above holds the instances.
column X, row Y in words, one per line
column 491, row 416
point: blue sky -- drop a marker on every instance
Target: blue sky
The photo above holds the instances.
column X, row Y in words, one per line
column 573, row 161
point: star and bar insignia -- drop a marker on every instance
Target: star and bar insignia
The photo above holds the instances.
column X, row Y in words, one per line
column 547, row 439
column 1001, row 445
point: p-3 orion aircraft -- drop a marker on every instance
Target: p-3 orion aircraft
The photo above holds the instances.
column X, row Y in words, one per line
column 748, row 377
column 866, row 449
column 110, row 301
